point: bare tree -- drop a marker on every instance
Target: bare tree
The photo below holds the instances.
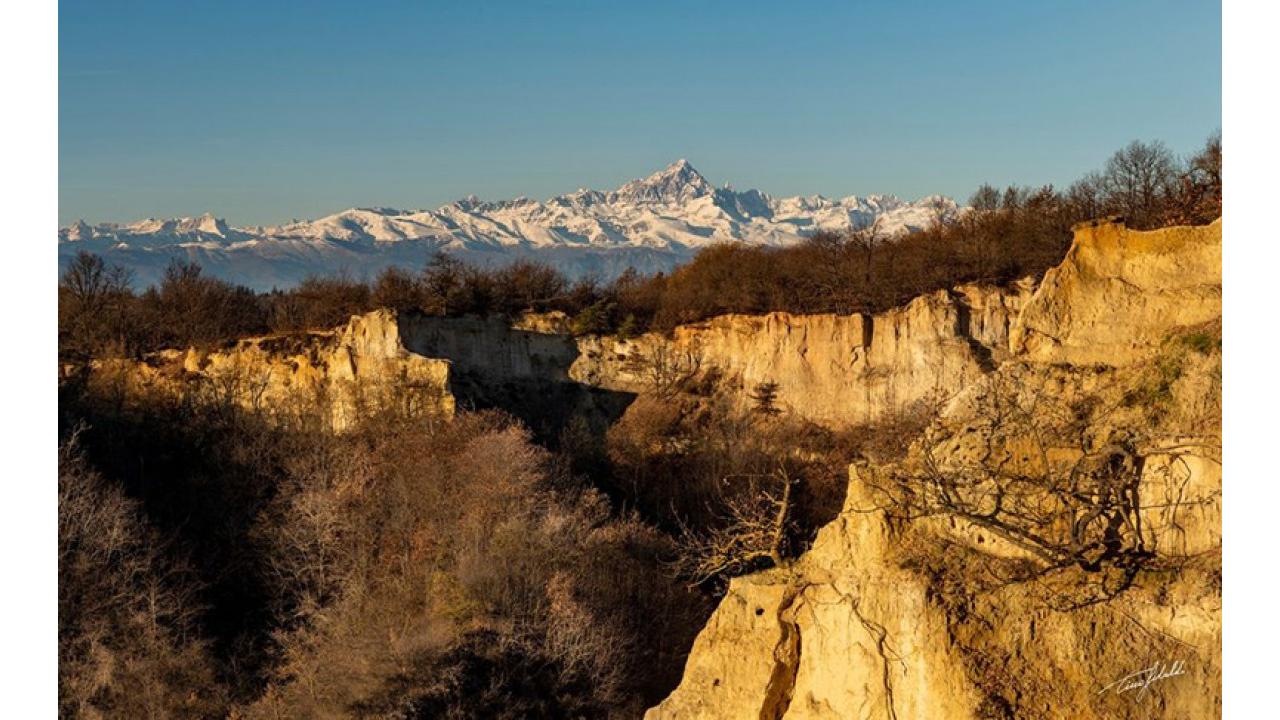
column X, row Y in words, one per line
column 93, row 304
column 756, row 523
column 1137, row 178
column 127, row 609
column 89, row 280
column 397, row 289
column 442, row 282
column 985, row 198
column 237, row 383
column 1087, row 196
column 1198, row 198
column 1051, row 477
column 664, row 368
column 865, row 242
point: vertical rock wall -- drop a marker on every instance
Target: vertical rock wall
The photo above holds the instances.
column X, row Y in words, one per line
column 836, row 370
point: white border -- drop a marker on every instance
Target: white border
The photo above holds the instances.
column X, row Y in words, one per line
column 1251, row 279
column 28, row 358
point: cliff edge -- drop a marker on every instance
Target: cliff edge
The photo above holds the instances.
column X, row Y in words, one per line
column 961, row 581
column 361, row 368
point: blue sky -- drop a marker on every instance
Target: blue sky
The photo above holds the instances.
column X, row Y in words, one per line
column 266, row 111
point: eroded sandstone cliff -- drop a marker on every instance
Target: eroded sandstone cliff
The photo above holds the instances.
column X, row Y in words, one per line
column 1119, row 292
column 892, row 614
column 360, row 368
column 836, row 370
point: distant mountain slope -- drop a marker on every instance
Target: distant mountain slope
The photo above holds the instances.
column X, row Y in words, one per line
column 652, row 224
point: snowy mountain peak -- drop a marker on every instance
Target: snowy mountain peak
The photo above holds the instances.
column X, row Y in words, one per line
column 207, row 223
column 683, row 169
column 78, row 230
column 677, row 183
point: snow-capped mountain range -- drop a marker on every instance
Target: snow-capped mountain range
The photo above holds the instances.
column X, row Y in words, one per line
column 651, row 224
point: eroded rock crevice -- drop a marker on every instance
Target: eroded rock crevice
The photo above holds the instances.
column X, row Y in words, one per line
column 786, row 657
column 880, row 638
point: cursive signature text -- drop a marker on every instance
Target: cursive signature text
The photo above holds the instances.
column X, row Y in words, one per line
column 1146, row 677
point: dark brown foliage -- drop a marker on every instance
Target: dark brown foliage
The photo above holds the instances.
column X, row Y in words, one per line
column 712, row 473
column 318, row 303
column 1197, row 197
column 93, row 307
column 408, row 566
column 128, row 640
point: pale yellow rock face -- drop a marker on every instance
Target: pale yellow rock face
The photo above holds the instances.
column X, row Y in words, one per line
column 380, row 361
column 868, row 623
column 843, row 633
column 356, row 369
column 837, row 370
column 755, row 625
column 1119, row 292
column 848, row 633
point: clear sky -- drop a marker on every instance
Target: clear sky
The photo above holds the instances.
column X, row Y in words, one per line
column 266, row 111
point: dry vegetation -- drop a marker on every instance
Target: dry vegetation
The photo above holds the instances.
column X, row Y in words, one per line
column 128, row 611
column 407, row 568
column 413, row 567
column 1085, row 473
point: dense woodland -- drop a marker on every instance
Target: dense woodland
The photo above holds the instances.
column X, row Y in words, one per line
column 215, row 560
column 213, row 557
column 1011, row 233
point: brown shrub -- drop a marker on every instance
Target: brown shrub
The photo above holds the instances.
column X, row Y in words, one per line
column 127, row 613
column 406, row 547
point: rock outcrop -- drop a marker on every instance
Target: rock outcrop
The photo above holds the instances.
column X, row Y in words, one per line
column 837, row 370
column 360, row 368
column 1119, row 292
column 889, row 615
column 841, row 634
column 492, row 350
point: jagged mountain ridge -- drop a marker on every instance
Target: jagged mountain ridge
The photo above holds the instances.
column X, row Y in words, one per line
column 652, row 224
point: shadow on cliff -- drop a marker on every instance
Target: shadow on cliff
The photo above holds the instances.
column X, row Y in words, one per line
column 522, row 372
column 548, row 409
